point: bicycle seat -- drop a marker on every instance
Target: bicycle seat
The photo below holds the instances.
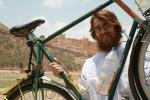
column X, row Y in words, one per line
column 26, row 29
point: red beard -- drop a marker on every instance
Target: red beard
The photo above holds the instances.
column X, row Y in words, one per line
column 107, row 41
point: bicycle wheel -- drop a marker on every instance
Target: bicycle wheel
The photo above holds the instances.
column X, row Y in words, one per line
column 139, row 69
column 45, row 92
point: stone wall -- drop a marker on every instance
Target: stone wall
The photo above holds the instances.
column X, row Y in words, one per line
column 83, row 45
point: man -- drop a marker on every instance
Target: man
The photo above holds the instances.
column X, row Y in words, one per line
column 106, row 31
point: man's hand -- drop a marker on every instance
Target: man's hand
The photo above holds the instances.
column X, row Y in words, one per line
column 56, row 68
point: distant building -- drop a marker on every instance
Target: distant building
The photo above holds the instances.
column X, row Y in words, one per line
column 82, row 45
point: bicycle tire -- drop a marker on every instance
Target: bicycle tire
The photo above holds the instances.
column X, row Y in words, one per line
column 53, row 90
column 136, row 70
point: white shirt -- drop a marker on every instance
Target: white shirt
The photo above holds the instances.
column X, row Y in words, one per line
column 90, row 72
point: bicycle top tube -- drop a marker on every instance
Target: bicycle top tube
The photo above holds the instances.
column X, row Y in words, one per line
column 80, row 19
column 100, row 7
column 24, row 30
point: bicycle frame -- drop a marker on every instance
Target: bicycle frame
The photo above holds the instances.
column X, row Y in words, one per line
column 137, row 21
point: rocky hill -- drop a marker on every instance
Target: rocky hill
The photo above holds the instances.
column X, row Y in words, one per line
column 3, row 29
column 11, row 49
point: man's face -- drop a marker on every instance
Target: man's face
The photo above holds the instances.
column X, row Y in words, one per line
column 105, row 35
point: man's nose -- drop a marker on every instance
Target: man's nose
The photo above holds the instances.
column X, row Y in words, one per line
column 103, row 30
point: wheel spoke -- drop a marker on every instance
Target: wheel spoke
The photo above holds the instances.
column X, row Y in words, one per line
column 45, row 92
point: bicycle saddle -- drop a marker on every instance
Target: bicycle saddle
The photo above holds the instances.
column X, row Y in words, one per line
column 26, row 29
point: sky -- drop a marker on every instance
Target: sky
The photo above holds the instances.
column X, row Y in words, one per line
column 58, row 13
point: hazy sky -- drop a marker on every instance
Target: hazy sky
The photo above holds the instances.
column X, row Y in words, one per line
column 57, row 14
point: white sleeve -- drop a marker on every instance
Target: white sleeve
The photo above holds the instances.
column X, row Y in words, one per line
column 88, row 70
column 89, row 76
column 85, row 69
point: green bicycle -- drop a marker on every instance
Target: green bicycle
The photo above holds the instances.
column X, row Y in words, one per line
column 34, row 88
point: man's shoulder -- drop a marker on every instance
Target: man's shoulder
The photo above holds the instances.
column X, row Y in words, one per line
column 99, row 55
column 90, row 59
column 96, row 58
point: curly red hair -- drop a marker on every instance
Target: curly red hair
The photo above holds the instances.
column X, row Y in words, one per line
column 107, row 16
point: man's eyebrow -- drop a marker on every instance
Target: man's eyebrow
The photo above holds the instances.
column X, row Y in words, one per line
column 96, row 26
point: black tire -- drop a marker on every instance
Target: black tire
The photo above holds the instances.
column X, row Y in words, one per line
column 136, row 70
column 53, row 90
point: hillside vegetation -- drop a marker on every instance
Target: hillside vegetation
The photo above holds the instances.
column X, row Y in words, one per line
column 12, row 50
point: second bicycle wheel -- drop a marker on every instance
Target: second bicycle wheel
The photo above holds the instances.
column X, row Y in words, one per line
column 139, row 71
column 45, row 92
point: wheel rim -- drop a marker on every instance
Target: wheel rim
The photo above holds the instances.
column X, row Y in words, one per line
column 144, row 67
